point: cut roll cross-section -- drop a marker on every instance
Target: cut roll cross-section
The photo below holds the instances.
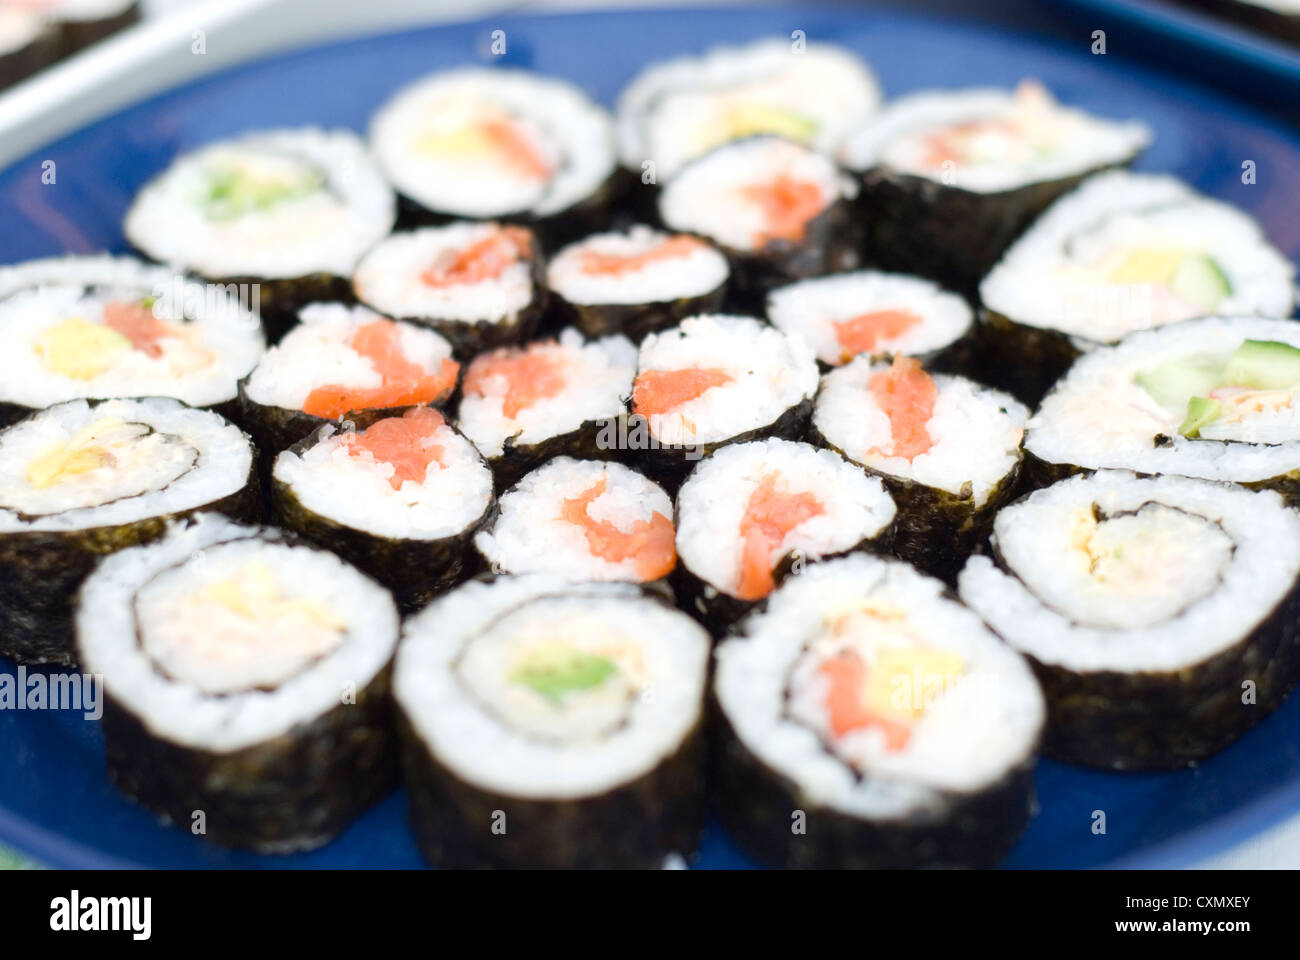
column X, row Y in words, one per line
column 1159, row 613
column 881, row 713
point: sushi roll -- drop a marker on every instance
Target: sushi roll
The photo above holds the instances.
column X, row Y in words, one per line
column 866, row 719
column 950, row 178
column 1123, row 252
column 84, row 479
column 400, row 499
column 753, row 513
column 714, row 380
column 523, row 405
column 635, row 281
column 780, row 212
column 342, row 362
column 1159, row 613
column 246, row 683
column 583, row 520
column 113, row 327
column 675, row 111
column 1216, row 398
column 1275, row 18
column 289, row 210
column 28, row 43
column 83, row 22
column 868, row 312
column 492, row 144
column 947, row 448
column 480, row 285
column 546, row 724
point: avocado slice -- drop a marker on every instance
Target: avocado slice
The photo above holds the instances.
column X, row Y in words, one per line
column 1200, row 411
column 557, row 669
column 1171, row 383
column 1263, row 365
column 746, row 119
column 1199, row 280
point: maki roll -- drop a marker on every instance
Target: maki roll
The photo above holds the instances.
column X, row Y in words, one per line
column 83, row 22
column 1123, row 252
column 113, row 327
column 246, row 683
column 675, row 111
column 868, row 312
column 865, row 719
column 523, row 405
column 1216, row 398
column 28, row 43
column 399, row 499
column 480, row 285
column 289, row 210
column 635, row 281
column 552, row 725
column 488, row 144
column 1159, row 613
column 84, row 479
column 947, row 448
column 714, row 380
column 753, row 513
column 342, row 362
column 780, row 212
column 583, row 520
column 949, row 178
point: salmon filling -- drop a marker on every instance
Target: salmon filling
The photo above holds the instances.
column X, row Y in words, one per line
column 770, row 516
column 404, row 442
column 532, row 374
column 787, row 206
column 482, row 260
column 404, row 383
column 906, row 395
column 663, row 391
column 860, row 334
column 651, row 543
column 614, row 264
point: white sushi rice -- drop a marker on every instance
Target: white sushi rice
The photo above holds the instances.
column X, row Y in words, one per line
column 388, row 278
column 190, row 459
column 324, row 229
column 976, row 431
column 132, row 613
column 1113, row 572
column 82, row 11
column 712, row 504
column 453, row 682
column 597, row 382
column 713, row 196
column 701, row 270
column 318, row 352
column 1098, row 416
column 20, row 28
column 676, row 110
column 812, row 308
column 355, row 489
column 532, row 535
column 1059, row 141
column 573, row 133
column 1055, row 276
column 770, row 373
column 217, row 339
column 971, row 733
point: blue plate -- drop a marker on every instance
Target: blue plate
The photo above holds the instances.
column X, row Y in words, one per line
column 55, row 802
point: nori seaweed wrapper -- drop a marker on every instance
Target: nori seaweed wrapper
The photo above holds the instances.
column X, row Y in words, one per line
column 1171, row 719
column 632, row 320
column 1274, row 23
column 917, row 225
column 18, row 65
column 415, row 570
column 76, row 35
column 936, row 530
column 468, row 338
column 594, row 440
column 280, row 300
column 294, row 792
column 636, row 824
column 41, row 572
column 756, row 805
column 1024, row 361
column 669, row 464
